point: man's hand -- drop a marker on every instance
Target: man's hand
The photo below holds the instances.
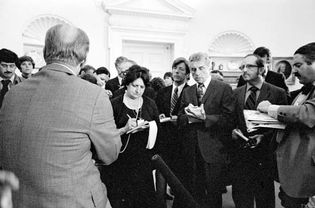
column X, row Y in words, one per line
column 109, row 93
column 311, row 202
column 255, row 140
column 263, row 106
column 8, row 182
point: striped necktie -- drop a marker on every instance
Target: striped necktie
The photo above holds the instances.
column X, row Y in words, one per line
column 250, row 103
column 200, row 92
column 174, row 100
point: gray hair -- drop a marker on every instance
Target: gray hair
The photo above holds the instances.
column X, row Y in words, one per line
column 65, row 43
column 199, row 56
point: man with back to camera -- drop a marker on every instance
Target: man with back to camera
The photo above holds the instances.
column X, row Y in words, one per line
column 296, row 150
column 205, row 123
column 252, row 167
column 48, row 125
column 8, row 78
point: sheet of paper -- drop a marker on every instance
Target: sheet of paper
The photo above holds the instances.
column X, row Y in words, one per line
column 152, row 134
column 166, row 119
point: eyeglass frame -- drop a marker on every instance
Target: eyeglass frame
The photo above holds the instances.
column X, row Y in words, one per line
column 247, row 66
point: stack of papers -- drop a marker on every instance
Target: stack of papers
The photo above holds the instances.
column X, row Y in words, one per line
column 255, row 119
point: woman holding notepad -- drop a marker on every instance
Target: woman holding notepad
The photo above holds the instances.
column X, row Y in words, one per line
column 131, row 182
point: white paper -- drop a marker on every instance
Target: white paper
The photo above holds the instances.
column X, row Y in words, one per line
column 255, row 119
column 152, row 134
column 166, row 119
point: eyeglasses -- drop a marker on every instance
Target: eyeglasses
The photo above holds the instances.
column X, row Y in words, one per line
column 123, row 73
column 247, row 66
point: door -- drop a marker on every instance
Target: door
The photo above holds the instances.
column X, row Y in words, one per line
column 157, row 57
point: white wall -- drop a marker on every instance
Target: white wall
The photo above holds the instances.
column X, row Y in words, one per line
column 15, row 15
column 281, row 25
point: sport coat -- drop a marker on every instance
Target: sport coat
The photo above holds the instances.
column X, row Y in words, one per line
column 48, row 124
column 213, row 134
column 296, row 151
column 276, row 96
column 112, row 84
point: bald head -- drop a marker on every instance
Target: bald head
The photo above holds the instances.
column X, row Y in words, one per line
column 65, row 43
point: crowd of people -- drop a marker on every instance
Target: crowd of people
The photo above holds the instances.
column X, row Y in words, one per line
column 76, row 138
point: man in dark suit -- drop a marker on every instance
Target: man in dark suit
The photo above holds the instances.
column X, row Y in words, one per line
column 122, row 64
column 168, row 101
column 9, row 61
column 296, row 150
column 252, row 167
column 269, row 75
column 206, row 126
column 49, row 125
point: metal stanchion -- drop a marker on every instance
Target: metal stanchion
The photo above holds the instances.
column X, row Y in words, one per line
column 177, row 187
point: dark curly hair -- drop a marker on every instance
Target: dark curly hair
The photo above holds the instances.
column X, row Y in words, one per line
column 135, row 72
column 25, row 58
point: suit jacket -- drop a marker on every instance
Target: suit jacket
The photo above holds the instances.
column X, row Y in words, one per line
column 169, row 143
column 296, row 151
column 16, row 81
column 46, row 137
column 272, row 77
column 262, row 153
column 112, row 85
column 213, row 134
column 163, row 100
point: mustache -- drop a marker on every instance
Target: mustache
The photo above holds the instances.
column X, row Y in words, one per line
column 297, row 74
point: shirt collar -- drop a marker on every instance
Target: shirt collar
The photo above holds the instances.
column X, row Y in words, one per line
column 119, row 80
column 70, row 68
column 11, row 79
column 179, row 87
column 207, row 82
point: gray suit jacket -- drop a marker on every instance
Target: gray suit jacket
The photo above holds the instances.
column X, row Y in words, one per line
column 213, row 134
column 48, row 124
column 296, row 152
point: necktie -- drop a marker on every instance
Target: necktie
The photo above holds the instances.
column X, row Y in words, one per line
column 250, row 103
column 4, row 90
column 200, row 92
column 174, row 100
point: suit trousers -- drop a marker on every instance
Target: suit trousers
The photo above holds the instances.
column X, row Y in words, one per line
column 252, row 182
column 204, row 182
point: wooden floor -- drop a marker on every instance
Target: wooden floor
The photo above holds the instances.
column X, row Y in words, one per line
column 228, row 202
